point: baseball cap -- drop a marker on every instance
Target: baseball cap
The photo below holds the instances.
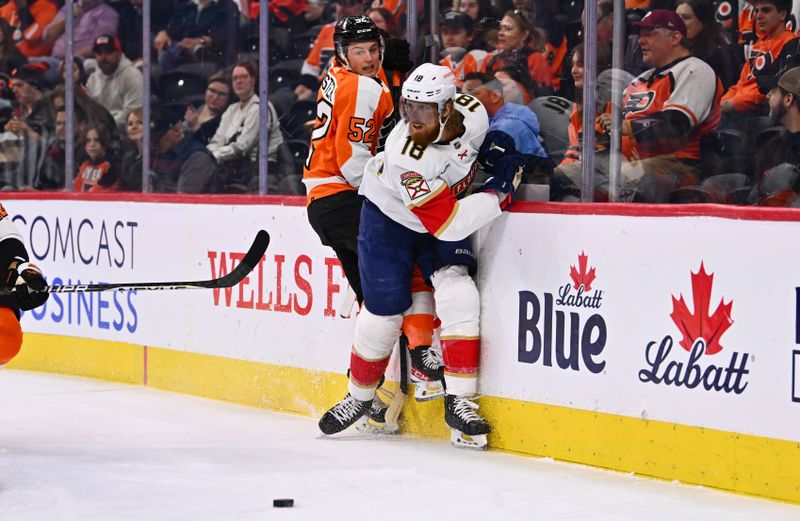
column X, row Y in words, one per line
column 662, row 19
column 161, row 120
column 31, row 73
column 456, row 20
column 790, row 81
column 106, row 42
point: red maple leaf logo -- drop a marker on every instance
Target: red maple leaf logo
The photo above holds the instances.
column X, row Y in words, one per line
column 699, row 324
column 582, row 276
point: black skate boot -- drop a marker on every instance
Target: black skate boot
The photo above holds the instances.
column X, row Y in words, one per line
column 343, row 415
column 469, row 429
column 427, row 372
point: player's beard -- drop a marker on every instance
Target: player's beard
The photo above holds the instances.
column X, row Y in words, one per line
column 426, row 137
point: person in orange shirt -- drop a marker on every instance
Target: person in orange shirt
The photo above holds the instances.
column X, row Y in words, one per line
column 98, row 173
column 322, row 52
column 34, row 16
column 744, row 96
column 353, row 104
column 457, row 32
column 514, row 50
column 27, row 281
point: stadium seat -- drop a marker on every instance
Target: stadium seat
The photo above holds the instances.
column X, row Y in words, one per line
column 282, row 79
column 300, row 45
column 294, row 121
column 655, row 188
column 722, row 188
column 299, row 152
column 765, row 135
column 282, row 101
column 181, row 86
column 689, row 195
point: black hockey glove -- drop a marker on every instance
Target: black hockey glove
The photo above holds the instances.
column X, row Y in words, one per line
column 506, row 179
column 28, row 284
column 397, row 55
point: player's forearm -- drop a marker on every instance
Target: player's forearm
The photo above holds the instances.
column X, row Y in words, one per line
column 469, row 215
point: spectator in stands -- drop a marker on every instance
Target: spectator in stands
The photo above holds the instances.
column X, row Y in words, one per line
column 319, row 58
column 515, row 49
column 575, row 151
column 94, row 112
column 34, row 16
column 550, row 33
column 10, row 57
column 116, row 84
column 198, row 29
column 92, row 19
column 52, row 172
column 667, row 110
column 204, row 121
column 79, row 75
column 99, row 171
column 743, row 99
column 493, row 93
column 456, row 33
column 476, row 9
column 784, row 111
column 706, row 40
column 235, row 144
column 32, row 120
column 130, row 172
column 130, row 28
column 384, row 20
column 179, row 164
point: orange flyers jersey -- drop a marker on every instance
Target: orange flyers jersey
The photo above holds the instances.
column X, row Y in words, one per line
column 574, row 152
column 417, row 186
column 637, row 4
column 688, row 85
column 351, row 111
column 321, row 55
column 744, row 93
column 554, row 55
column 89, row 176
column 537, row 66
column 8, row 229
column 471, row 62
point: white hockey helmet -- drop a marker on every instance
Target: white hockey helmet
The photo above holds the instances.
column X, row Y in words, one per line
column 430, row 83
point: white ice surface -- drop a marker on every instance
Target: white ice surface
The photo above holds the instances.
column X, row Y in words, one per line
column 75, row 449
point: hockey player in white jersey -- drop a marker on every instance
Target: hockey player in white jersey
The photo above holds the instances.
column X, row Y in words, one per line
column 412, row 215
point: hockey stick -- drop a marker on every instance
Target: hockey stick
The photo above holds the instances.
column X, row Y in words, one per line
column 245, row 266
column 393, row 412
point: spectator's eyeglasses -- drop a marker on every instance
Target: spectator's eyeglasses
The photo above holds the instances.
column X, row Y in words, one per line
column 217, row 92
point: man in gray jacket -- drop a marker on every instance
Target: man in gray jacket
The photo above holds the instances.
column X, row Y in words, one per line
column 116, row 84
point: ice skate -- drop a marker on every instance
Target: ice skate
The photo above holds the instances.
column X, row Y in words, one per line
column 427, row 371
column 374, row 420
column 343, row 415
column 469, row 429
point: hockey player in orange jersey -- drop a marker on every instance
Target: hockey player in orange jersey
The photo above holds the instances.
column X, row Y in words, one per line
column 353, row 104
column 28, row 284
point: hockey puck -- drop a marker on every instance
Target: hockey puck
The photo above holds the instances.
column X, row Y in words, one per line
column 282, row 503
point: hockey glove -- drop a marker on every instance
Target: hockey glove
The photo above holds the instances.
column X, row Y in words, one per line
column 397, row 56
column 29, row 286
column 506, row 179
column 496, row 145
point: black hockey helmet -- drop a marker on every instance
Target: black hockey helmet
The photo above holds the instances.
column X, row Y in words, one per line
column 352, row 29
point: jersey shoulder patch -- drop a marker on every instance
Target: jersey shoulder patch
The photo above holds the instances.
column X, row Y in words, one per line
column 415, row 185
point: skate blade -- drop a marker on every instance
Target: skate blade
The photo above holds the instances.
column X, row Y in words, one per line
column 368, row 426
column 463, row 441
column 425, row 391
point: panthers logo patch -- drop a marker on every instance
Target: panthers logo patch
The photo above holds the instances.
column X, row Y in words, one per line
column 415, row 185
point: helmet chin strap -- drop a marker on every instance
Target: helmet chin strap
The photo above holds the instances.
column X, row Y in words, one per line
column 442, row 125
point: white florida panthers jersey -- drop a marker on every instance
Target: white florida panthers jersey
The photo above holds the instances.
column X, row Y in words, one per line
column 417, row 186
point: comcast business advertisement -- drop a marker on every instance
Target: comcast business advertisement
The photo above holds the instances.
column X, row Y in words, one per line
column 284, row 312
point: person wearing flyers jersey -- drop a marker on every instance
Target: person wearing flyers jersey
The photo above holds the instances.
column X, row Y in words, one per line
column 412, row 216
column 24, row 278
